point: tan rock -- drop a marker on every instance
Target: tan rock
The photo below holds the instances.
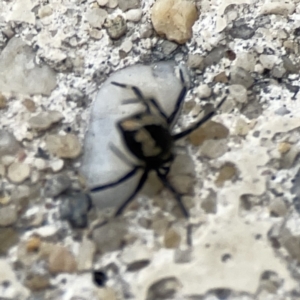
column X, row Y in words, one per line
column 174, row 19
column 172, row 238
column 18, row 172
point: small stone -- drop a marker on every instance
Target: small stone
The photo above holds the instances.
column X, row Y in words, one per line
column 3, row 101
column 33, row 244
column 289, row 66
column 278, row 71
column 278, row 208
column 45, row 120
column 174, row 18
column 227, row 172
column 209, row 204
column 282, row 111
column 241, row 76
column 195, row 61
column 221, row 77
column 208, row 131
column 146, row 31
column 29, row 104
column 241, row 127
column 284, row 147
column 8, row 143
column 159, row 224
column 110, row 236
column 102, row 2
column 56, row 185
column 8, row 215
column 40, row 164
column 182, row 256
column 238, row 93
column 57, row 165
column 128, row 4
column 96, row 17
column 2, row 171
column 112, row 3
column 278, row 8
column 245, row 60
column 63, row 146
column 168, row 47
column 214, row 148
column 45, row 11
column 163, row 289
column 8, row 238
column 126, row 46
column 290, row 242
column 61, row 260
column 241, row 31
column 96, row 34
column 37, row 282
column 203, row 91
column 85, row 256
column 172, row 238
column 18, row 172
column 134, row 15
column 116, row 27
column 268, row 61
column 74, row 208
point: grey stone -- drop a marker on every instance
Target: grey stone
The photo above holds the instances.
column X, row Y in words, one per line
column 96, row 17
column 244, row 32
column 74, row 208
column 110, row 236
column 128, row 4
column 8, row 143
column 289, row 66
column 20, row 74
column 278, row 71
column 214, row 148
column 116, row 27
column 282, row 111
column 168, row 47
column 8, row 215
column 240, row 76
column 214, row 56
column 56, row 185
column 164, row 289
column 8, row 238
column 44, row 120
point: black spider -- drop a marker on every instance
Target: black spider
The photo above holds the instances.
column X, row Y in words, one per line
column 147, row 135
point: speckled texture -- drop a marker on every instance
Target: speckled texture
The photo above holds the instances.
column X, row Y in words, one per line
column 243, row 194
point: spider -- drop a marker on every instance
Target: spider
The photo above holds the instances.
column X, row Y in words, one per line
column 148, row 136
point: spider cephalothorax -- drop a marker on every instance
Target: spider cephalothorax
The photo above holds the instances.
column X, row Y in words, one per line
column 148, row 136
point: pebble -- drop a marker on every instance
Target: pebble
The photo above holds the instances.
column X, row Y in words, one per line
column 278, row 71
column 2, row 170
column 116, row 27
column 96, row 17
column 110, row 236
column 245, row 60
column 8, row 238
column 278, row 8
column 74, row 208
column 214, row 148
column 36, row 281
column 172, row 239
column 163, row 289
column 40, row 164
column 203, row 91
column 126, row 46
column 45, row 120
column 278, row 207
column 284, row 147
column 63, row 146
column 128, row 4
column 17, row 62
column 61, row 260
column 268, row 61
column 195, row 61
column 134, row 15
column 102, row 2
column 243, row 31
column 174, row 19
column 289, row 66
column 8, row 143
column 209, row 203
column 227, row 172
column 241, row 76
column 112, row 3
column 290, row 242
column 208, row 131
column 96, row 34
column 238, row 93
column 3, row 101
column 214, row 56
column 18, row 172
column 8, row 215
column 241, row 127
column 29, row 104
column 221, row 77
column 146, row 31
column 56, row 185
column 85, row 255
column 33, row 244
column 282, row 111
column 168, row 47
column 57, row 165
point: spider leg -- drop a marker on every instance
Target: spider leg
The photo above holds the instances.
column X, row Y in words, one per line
column 179, row 100
column 118, row 181
column 187, row 131
column 130, row 198
column 181, row 205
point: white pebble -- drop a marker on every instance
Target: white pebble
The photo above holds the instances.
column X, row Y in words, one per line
column 18, row 172
column 126, row 46
column 57, row 165
column 268, row 61
column 102, row 2
column 7, row 160
column 203, row 91
column 278, row 8
column 134, row 15
column 238, row 93
column 40, row 164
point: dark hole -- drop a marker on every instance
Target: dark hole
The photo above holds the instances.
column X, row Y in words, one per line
column 226, row 257
column 99, row 278
column 258, row 236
